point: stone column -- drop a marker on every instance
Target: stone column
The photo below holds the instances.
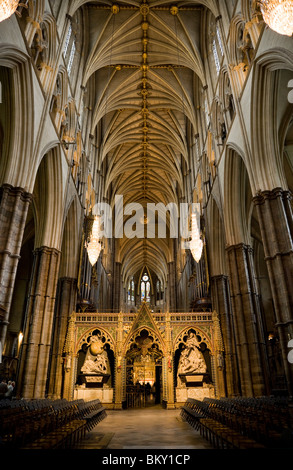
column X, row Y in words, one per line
column 274, row 212
column 65, row 305
column 172, row 286
column 117, row 287
column 14, row 204
column 250, row 341
column 39, row 321
column 222, row 304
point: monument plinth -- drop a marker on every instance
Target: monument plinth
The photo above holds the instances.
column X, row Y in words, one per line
column 94, row 380
column 193, row 380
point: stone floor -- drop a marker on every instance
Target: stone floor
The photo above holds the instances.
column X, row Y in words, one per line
column 145, row 428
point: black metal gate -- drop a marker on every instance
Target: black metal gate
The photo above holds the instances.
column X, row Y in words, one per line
column 142, row 395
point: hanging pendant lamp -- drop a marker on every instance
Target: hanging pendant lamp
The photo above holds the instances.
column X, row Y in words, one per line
column 278, row 15
column 7, row 9
column 94, row 246
column 196, row 243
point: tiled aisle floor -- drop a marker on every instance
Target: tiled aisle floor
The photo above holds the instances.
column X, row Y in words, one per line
column 149, row 428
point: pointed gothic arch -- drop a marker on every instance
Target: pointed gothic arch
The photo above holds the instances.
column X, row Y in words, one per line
column 237, row 197
column 267, row 141
column 49, row 182
column 85, row 338
column 16, row 168
column 144, row 321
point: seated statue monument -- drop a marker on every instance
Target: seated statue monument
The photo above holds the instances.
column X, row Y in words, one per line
column 191, row 362
column 96, row 361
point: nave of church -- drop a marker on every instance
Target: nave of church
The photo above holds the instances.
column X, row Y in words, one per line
column 146, row 179
column 135, row 429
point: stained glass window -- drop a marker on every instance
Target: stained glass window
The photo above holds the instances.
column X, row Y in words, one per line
column 68, row 37
column 130, row 292
column 142, row 291
column 145, row 288
column 148, row 291
column 71, row 57
column 220, row 40
column 216, row 57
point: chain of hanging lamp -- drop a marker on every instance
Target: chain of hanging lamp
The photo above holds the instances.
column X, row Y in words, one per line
column 94, row 245
column 195, row 243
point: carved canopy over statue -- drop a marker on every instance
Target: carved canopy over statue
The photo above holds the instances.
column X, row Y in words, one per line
column 96, row 361
column 191, row 360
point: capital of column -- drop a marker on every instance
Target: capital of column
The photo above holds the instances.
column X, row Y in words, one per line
column 69, row 280
column 262, row 196
column 16, row 191
column 47, row 250
column 239, row 247
column 10, row 254
column 220, row 277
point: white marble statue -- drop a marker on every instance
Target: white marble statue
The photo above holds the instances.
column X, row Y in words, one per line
column 191, row 360
column 96, row 360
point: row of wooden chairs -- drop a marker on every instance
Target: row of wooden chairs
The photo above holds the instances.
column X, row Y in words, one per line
column 63, row 437
column 192, row 411
column 92, row 411
column 241, row 423
column 47, row 423
column 264, row 419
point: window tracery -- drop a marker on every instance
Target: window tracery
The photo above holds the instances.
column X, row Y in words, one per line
column 145, row 288
column 131, row 292
column 215, row 48
column 72, row 47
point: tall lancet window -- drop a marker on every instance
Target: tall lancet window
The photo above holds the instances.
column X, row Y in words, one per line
column 145, row 288
column 131, row 292
column 67, row 41
column 216, row 57
column 71, row 57
column 72, row 45
column 219, row 39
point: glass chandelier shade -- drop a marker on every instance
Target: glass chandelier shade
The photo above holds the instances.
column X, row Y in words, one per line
column 278, row 15
column 7, row 8
column 94, row 246
column 196, row 243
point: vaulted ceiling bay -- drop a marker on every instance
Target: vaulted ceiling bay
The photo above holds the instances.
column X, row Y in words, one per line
column 144, row 76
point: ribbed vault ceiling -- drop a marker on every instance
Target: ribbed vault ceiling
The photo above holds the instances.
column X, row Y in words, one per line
column 145, row 63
